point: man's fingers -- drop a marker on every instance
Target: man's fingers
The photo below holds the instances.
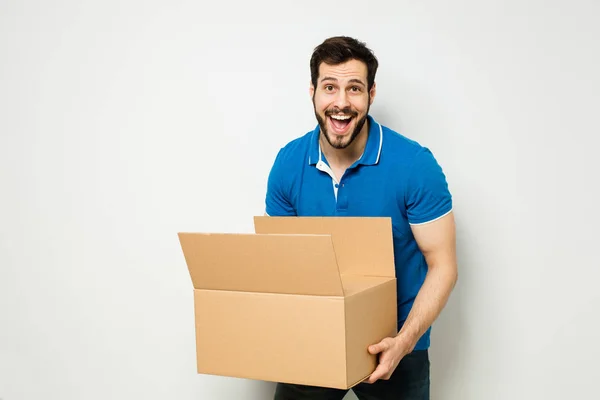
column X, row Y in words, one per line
column 375, row 348
column 378, row 348
column 379, row 372
column 383, row 368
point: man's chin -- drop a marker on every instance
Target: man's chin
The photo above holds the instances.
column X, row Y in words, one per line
column 338, row 141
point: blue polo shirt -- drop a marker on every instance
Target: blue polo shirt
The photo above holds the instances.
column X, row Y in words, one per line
column 395, row 177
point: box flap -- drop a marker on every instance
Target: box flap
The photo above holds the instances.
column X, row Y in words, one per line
column 294, row 264
column 363, row 245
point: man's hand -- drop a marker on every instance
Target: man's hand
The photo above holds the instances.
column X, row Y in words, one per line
column 391, row 351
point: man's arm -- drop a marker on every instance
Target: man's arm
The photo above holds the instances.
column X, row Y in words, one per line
column 437, row 241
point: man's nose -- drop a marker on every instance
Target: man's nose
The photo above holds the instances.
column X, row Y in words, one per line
column 341, row 100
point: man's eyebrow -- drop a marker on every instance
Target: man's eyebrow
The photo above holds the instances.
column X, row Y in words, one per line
column 356, row 81
column 330, row 78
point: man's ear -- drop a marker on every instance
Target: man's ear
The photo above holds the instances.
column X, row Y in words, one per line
column 311, row 90
column 373, row 92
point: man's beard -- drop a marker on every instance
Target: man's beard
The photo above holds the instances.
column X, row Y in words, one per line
column 346, row 111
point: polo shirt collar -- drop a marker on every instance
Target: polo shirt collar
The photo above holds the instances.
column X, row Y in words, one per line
column 372, row 149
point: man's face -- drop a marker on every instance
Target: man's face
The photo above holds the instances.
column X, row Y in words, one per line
column 341, row 101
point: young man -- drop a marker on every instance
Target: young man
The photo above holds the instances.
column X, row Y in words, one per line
column 350, row 165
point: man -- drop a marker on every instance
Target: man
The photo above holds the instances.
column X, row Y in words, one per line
column 350, row 165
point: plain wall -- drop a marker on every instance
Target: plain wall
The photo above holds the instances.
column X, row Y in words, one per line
column 125, row 122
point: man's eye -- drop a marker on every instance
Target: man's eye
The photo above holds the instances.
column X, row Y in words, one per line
column 329, row 88
column 355, row 89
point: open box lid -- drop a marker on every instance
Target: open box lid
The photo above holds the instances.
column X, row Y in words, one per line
column 363, row 245
column 280, row 263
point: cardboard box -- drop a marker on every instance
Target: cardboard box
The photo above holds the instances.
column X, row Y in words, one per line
column 299, row 301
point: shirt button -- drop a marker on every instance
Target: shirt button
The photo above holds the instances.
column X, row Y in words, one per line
column 337, row 186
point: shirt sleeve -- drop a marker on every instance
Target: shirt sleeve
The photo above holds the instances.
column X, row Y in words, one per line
column 427, row 195
column 277, row 201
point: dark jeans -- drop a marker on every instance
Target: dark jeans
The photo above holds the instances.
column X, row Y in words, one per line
column 410, row 381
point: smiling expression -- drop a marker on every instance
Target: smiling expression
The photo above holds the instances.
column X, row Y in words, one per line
column 341, row 101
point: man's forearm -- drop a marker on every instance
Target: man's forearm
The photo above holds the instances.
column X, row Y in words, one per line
column 430, row 301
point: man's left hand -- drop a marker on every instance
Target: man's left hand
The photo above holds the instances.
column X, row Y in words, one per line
column 391, row 351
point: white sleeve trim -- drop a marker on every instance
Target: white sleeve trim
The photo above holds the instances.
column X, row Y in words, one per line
column 430, row 221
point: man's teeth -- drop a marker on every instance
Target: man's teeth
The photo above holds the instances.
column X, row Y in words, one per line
column 341, row 117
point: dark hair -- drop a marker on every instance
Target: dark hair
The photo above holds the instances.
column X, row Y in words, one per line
column 339, row 49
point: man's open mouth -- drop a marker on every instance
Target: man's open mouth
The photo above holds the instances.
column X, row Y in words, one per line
column 340, row 122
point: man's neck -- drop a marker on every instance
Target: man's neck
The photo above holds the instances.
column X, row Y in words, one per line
column 344, row 158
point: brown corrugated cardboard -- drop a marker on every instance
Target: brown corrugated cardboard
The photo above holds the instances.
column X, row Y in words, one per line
column 298, row 301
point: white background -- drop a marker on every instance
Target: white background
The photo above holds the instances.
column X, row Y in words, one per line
column 125, row 122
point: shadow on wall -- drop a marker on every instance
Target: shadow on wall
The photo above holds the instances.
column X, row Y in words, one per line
column 264, row 390
column 246, row 389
